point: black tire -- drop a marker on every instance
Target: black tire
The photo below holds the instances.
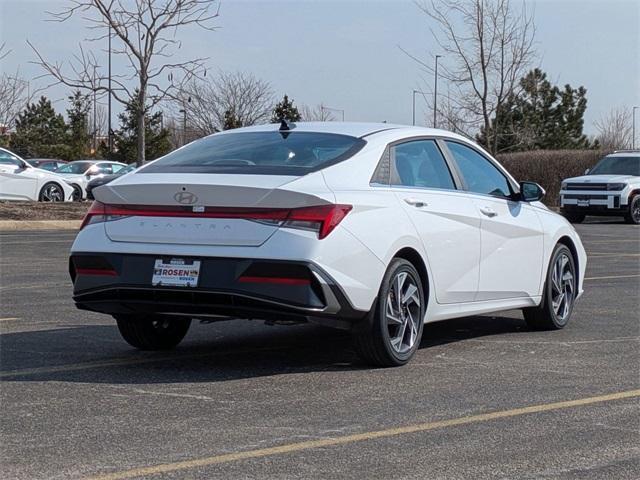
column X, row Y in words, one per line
column 373, row 339
column 77, row 193
column 633, row 216
column 574, row 217
column 545, row 316
column 51, row 192
column 152, row 332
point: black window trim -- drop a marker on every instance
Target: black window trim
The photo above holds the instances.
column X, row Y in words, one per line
column 387, row 156
column 513, row 185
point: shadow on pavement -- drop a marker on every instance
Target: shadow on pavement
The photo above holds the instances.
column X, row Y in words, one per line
column 210, row 353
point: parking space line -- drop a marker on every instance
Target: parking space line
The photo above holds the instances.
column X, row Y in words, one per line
column 603, row 242
column 609, row 277
column 360, row 437
column 612, row 254
column 6, row 319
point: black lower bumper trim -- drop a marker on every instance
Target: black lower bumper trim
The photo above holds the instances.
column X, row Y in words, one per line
column 217, row 295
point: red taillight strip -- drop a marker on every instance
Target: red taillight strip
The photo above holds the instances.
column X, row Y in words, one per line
column 275, row 280
column 324, row 218
column 96, row 271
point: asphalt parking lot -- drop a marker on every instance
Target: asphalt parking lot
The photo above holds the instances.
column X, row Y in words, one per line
column 484, row 397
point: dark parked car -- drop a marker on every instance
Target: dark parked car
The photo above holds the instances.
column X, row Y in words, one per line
column 50, row 164
column 106, row 179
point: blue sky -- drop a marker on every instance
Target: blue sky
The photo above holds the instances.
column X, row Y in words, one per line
column 346, row 53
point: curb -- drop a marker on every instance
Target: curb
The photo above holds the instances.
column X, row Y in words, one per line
column 20, row 225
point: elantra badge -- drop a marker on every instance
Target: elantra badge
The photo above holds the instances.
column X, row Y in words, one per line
column 185, row 198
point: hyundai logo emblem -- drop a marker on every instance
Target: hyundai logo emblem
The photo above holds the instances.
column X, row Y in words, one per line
column 186, row 198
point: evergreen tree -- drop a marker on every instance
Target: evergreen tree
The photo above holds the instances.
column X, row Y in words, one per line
column 158, row 141
column 231, row 120
column 285, row 110
column 40, row 132
column 541, row 116
column 77, row 127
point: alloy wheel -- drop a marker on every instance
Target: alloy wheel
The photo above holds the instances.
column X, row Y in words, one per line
column 52, row 193
column 562, row 287
column 402, row 312
column 635, row 210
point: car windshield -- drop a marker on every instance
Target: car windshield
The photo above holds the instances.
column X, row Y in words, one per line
column 127, row 169
column 617, row 166
column 268, row 153
column 76, row 168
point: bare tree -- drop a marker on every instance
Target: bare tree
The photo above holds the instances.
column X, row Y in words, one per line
column 146, row 36
column 14, row 96
column 15, row 93
column 615, row 129
column 319, row 113
column 249, row 99
column 487, row 46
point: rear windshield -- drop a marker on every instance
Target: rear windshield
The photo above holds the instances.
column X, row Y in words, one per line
column 268, row 153
column 617, row 166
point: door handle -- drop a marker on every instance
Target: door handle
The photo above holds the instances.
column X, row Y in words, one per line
column 488, row 211
column 416, row 203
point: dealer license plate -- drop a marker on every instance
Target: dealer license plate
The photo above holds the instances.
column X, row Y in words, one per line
column 178, row 272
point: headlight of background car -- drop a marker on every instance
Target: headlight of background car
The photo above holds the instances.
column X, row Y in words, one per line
column 615, row 186
column 563, row 186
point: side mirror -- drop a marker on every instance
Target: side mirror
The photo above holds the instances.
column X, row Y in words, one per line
column 531, row 192
column 586, row 172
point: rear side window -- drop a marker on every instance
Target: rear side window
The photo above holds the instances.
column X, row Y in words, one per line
column 268, row 153
column 480, row 175
column 420, row 164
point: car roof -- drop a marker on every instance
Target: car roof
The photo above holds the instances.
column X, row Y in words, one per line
column 354, row 129
column 625, row 153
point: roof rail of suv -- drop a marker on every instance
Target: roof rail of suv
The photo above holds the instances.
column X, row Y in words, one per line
column 627, row 150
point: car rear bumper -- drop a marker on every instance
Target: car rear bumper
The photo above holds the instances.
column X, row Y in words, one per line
column 272, row 290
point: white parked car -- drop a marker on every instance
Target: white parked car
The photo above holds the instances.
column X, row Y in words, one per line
column 373, row 228
column 78, row 174
column 20, row 181
column 611, row 188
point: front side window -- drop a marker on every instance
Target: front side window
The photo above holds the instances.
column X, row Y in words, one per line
column 421, row 164
column 116, row 167
column 7, row 158
column 480, row 175
column 265, row 153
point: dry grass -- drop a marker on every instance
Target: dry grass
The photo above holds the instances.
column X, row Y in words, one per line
column 550, row 167
column 43, row 210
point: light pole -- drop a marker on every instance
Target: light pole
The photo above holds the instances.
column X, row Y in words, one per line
column 414, row 106
column 633, row 134
column 109, row 131
column 435, row 94
column 323, row 108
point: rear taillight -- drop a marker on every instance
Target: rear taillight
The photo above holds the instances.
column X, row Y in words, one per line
column 322, row 219
column 94, row 215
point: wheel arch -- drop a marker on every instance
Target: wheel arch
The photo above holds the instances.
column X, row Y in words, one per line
column 413, row 256
column 568, row 242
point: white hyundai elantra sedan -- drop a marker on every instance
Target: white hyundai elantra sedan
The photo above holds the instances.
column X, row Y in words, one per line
column 373, row 228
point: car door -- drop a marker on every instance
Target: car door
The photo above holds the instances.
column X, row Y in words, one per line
column 447, row 223
column 511, row 231
column 17, row 179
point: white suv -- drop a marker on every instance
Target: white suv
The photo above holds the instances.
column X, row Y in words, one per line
column 610, row 188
